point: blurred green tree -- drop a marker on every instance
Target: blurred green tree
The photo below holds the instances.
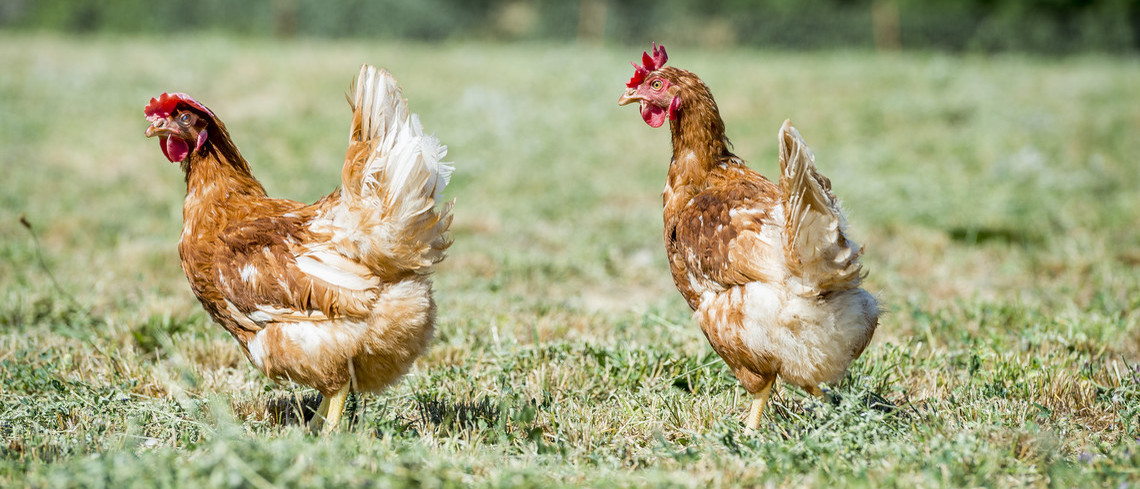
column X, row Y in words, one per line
column 1049, row 26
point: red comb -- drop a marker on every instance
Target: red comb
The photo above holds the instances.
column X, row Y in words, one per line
column 648, row 65
column 165, row 104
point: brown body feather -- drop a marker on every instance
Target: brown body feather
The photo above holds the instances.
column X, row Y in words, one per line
column 333, row 293
column 767, row 267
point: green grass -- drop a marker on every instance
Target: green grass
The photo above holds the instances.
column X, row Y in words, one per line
column 997, row 198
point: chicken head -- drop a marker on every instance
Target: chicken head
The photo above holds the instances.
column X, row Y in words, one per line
column 175, row 120
column 653, row 89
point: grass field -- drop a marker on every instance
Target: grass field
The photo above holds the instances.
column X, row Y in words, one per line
column 997, row 198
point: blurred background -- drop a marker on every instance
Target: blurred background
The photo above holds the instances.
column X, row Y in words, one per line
column 1044, row 26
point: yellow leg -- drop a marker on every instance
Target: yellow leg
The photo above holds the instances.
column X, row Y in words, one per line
column 318, row 418
column 759, row 400
column 328, row 414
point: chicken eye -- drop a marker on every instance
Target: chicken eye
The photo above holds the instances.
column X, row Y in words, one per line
column 656, row 85
column 184, row 119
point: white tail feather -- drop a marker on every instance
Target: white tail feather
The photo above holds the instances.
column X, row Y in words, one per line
column 392, row 179
column 818, row 252
column 402, row 155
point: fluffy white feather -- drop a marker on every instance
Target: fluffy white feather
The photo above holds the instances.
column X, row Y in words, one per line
column 814, row 224
column 336, row 270
column 387, row 215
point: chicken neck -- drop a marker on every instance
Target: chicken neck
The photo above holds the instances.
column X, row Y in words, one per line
column 219, row 189
column 218, row 176
column 699, row 142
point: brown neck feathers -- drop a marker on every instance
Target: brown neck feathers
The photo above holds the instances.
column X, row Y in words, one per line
column 219, row 162
column 698, row 127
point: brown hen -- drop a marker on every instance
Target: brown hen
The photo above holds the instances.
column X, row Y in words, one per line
column 335, row 295
column 768, row 268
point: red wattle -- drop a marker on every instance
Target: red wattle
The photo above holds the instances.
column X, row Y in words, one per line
column 162, row 146
column 652, row 114
column 175, row 149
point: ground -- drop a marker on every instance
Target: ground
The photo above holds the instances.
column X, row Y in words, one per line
column 996, row 197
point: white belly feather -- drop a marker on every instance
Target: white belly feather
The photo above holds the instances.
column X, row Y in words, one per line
column 812, row 340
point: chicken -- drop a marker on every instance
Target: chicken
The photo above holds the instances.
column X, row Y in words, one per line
column 335, row 295
column 768, row 269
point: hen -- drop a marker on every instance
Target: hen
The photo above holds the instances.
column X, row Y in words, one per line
column 768, row 268
column 335, row 295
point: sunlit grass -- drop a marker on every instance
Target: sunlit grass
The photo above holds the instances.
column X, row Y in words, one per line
column 996, row 198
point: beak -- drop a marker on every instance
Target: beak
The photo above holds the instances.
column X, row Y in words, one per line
column 158, row 128
column 629, row 97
